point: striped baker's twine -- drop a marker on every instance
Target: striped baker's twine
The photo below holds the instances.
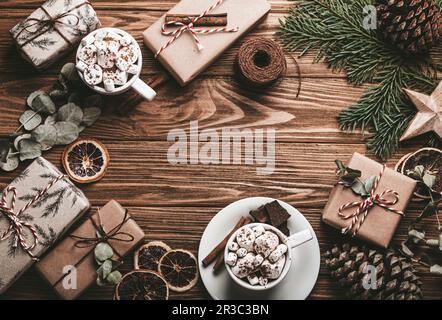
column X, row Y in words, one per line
column 16, row 225
column 191, row 28
column 365, row 206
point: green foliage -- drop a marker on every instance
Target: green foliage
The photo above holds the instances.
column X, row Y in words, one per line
column 334, row 30
column 350, row 178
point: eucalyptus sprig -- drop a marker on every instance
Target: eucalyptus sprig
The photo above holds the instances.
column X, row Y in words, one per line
column 54, row 118
column 107, row 273
column 351, row 178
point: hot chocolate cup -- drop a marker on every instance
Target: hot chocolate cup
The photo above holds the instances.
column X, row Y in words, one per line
column 133, row 82
column 291, row 242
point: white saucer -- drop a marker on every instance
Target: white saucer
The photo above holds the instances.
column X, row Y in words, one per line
column 298, row 283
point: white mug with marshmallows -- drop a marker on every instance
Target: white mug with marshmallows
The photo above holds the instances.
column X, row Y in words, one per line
column 109, row 61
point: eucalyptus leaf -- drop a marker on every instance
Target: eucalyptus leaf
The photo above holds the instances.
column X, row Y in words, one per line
column 101, row 282
column 59, row 90
column 29, row 149
column 50, row 120
column 340, row 165
column 43, row 104
column 70, row 112
column 30, row 120
column 90, row 115
column 369, row 184
column 419, row 170
column 359, row 188
column 20, row 138
column 94, row 100
column 98, row 262
column 32, row 96
column 69, row 73
column 406, row 250
column 67, row 132
column 429, row 180
column 436, row 269
column 12, row 162
column 105, row 269
column 114, row 277
column 45, row 135
column 77, row 98
column 5, row 145
column 103, row 251
column 416, row 235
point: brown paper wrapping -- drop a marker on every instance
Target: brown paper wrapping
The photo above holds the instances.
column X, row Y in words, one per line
column 380, row 224
column 182, row 58
column 40, row 44
column 57, row 210
column 52, row 267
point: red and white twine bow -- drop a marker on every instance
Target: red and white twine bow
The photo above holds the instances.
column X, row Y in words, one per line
column 190, row 27
column 379, row 199
column 18, row 226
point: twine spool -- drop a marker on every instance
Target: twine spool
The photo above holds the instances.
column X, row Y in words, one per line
column 261, row 62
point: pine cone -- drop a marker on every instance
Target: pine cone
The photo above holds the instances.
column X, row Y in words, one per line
column 395, row 278
column 412, row 25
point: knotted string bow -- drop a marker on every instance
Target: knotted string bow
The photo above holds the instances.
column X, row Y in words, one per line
column 36, row 27
column 363, row 207
column 18, row 226
column 190, row 27
column 114, row 234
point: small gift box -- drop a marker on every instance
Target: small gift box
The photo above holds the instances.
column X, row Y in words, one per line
column 186, row 49
column 76, row 251
column 53, row 29
column 35, row 210
column 375, row 216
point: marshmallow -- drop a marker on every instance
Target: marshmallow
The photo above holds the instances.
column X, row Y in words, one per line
column 263, row 281
column 245, row 238
column 273, row 270
column 93, row 74
column 129, row 53
column 233, row 246
column 280, row 250
column 88, row 40
column 117, row 76
column 244, row 266
column 241, row 252
column 112, row 37
column 133, row 69
column 266, row 243
column 113, row 46
column 88, row 54
column 123, row 64
column 253, row 279
column 125, row 41
column 81, row 66
column 106, row 58
column 109, row 85
column 100, row 45
column 258, row 260
column 100, row 35
column 232, row 258
column 258, row 230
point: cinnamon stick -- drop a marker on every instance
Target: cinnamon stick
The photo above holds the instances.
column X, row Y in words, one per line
column 216, row 19
column 219, row 262
column 212, row 256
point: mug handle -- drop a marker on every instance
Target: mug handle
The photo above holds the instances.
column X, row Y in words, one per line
column 299, row 238
column 143, row 89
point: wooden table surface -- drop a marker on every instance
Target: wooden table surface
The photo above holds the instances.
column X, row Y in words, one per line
column 175, row 203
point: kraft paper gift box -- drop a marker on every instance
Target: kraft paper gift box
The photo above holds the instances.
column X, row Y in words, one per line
column 76, row 251
column 45, row 219
column 380, row 223
column 53, row 30
column 182, row 58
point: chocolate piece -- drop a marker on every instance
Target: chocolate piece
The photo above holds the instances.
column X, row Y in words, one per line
column 277, row 214
column 284, row 229
column 260, row 215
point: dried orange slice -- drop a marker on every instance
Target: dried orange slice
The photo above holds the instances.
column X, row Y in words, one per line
column 179, row 269
column 149, row 255
column 142, row 285
column 85, row 160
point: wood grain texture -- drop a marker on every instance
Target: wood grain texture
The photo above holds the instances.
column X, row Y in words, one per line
column 174, row 203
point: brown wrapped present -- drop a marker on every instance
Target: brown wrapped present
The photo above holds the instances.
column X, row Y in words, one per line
column 188, row 51
column 53, row 29
column 77, row 250
column 375, row 218
column 35, row 210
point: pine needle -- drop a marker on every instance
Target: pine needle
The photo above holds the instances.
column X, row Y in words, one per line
column 334, row 30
